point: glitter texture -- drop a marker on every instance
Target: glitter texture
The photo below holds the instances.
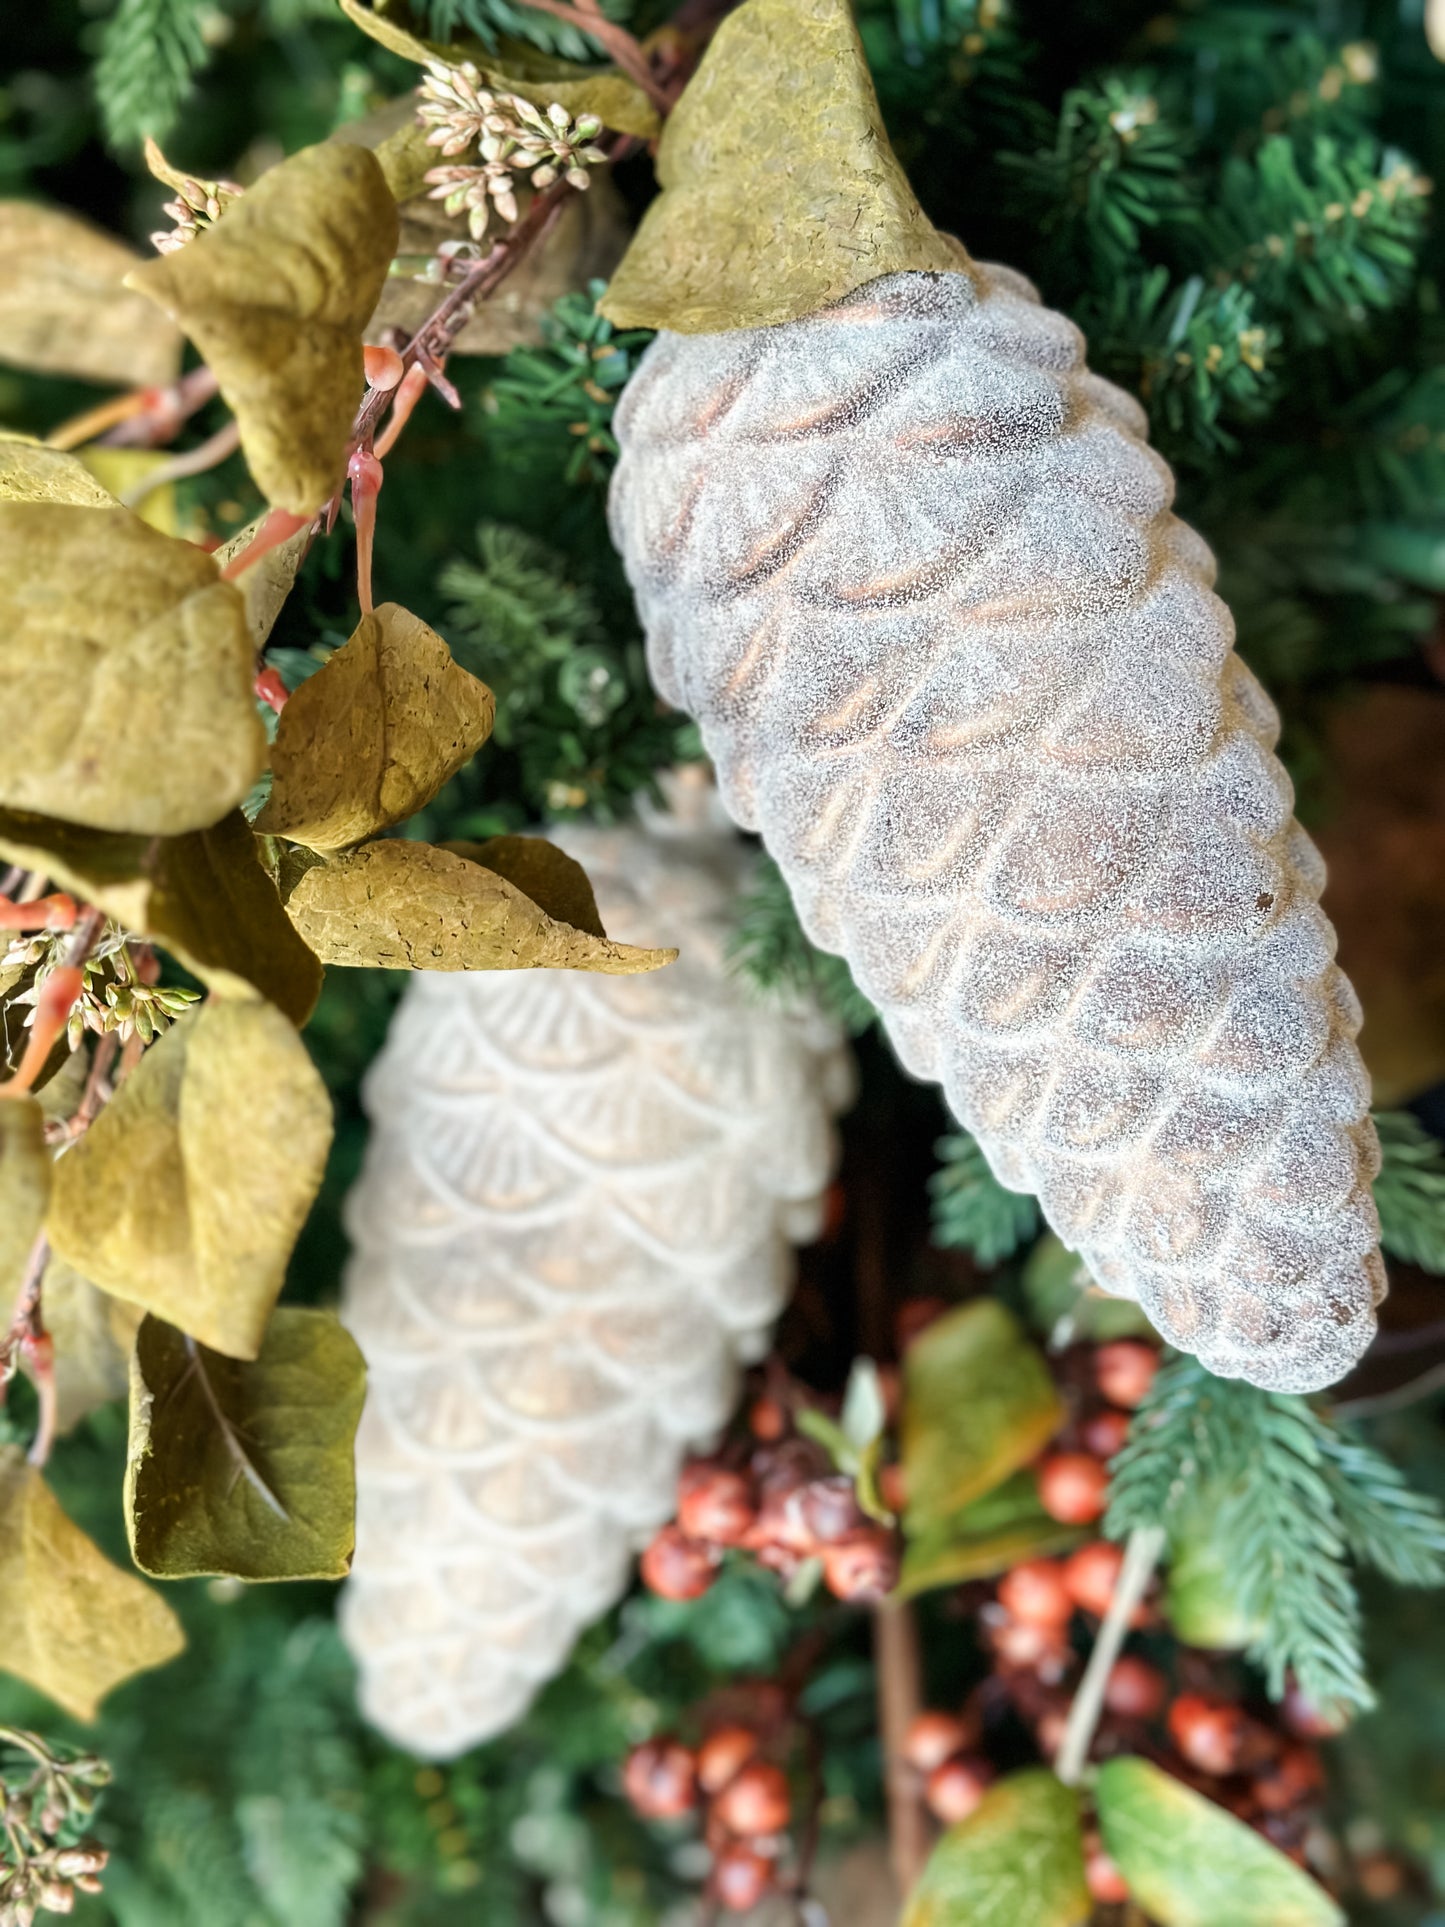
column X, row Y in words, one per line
column 575, row 1220
column 913, row 569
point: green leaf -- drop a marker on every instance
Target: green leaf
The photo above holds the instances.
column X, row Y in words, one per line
column 526, row 71
column 264, row 584
column 1058, row 1286
column 554, row 881
column 129, row 668
column 71, row 1624
column 275, row 295
column 187, row 1193
column 978, row 1403
column 92, row 1334
column 1190, row 1864
column 407, row 906
column 780, row 193
column 373, row 735
column 64, row 310
column 988, row 1536
column 1201, row 1599
column 25, row 1167
column 204, row 897
column 245, row 1469
column 31, row 472
column 1017, row 1861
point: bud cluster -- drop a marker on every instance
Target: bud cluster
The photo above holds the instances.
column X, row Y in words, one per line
column 734, row 1779
column 46, row 1795
column 779, row 1498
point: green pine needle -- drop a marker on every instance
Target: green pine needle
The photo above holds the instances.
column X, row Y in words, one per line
column 1292, row 1496
column 771, row 949
column 1410, row 1191
column 972, row 1211
column 150, row 54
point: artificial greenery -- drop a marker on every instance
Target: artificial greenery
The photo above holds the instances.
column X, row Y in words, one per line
column 1290, row 1498
column 972, row 1210
column 1410, row 1191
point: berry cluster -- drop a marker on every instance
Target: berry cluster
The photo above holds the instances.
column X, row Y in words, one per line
column 734, row 1777
column 775, row 1495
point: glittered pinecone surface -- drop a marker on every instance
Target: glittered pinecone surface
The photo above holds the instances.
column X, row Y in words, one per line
column 913, row 569
column 574, row 1222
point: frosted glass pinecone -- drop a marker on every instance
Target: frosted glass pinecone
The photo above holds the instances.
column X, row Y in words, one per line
column 913, row 569
column 574, row 1222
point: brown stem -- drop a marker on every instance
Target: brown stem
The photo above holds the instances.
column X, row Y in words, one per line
column 195, row 461
column 900, row 1700
column 617, row 40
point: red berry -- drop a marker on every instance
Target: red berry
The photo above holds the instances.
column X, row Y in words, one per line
column 767, row 1420
column 1043, row 1650
column 740, row 1878
column 1209, row 1733
column 1050, row 1731
column 676, row 1567
column 756, row 1801
column 956, row 1788
column 1035, row 1593
column 862, row 1567
column 1290, row 1781
column 1092, row 1573
column 1105, row 1433
column 383, row 366
column 1135, row 1690
column 893, row 1487
column 933, row 1738
column 829, row 1510
column 1306, row 1721
column 1073, row 1487
column 660, row 1779
column 1124, row 1370
column 723, row 1754
column 1103, row 1879
column 714, row 1505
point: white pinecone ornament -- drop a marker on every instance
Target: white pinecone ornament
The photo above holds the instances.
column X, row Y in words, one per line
column 574, row 1223
column 913, row 569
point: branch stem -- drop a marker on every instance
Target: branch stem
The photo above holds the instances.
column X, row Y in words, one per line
column 1141, row 1555
column 900, row 1699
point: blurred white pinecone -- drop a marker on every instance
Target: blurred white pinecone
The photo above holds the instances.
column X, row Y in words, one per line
column 574, row 1221
column 913, row 569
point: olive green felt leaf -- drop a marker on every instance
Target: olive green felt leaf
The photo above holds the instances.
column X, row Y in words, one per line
column 71, row 1624
column 408, row 906
column 978, row 1403
column 516, row 68
column 780, row 191
column 204, row 897
column 92, row 1334
column 128, row 671
column 554, row 881
column 1017, row 1861
column 1190, row 1864
column 988, row 1536
column 187, row 1193
column 31, row 472
column 373, row 735
column 245, row 1469
column 275, row 295
column 25, row 1167
column 64, row 309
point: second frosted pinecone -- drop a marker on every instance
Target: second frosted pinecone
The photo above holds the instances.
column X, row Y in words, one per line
column 913, row 569
column 575, row 1221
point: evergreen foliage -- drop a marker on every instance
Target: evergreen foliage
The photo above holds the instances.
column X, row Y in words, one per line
column 1410, row 1191
column 1290, row 1497
column 150, row 54
column 972, row 1211
column 771, row 948
column 491, row 20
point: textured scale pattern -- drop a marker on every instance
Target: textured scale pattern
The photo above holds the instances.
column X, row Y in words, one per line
column 574, row 1222
column 914, row 571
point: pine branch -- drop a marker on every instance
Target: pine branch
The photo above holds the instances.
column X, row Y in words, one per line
column 493, row 20
column 1292, row 1497
column 771, row 948
column 150, row 54
column 1410, row 1191
column 565, row 392
column 1398, row 1531
column 972, row 1210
